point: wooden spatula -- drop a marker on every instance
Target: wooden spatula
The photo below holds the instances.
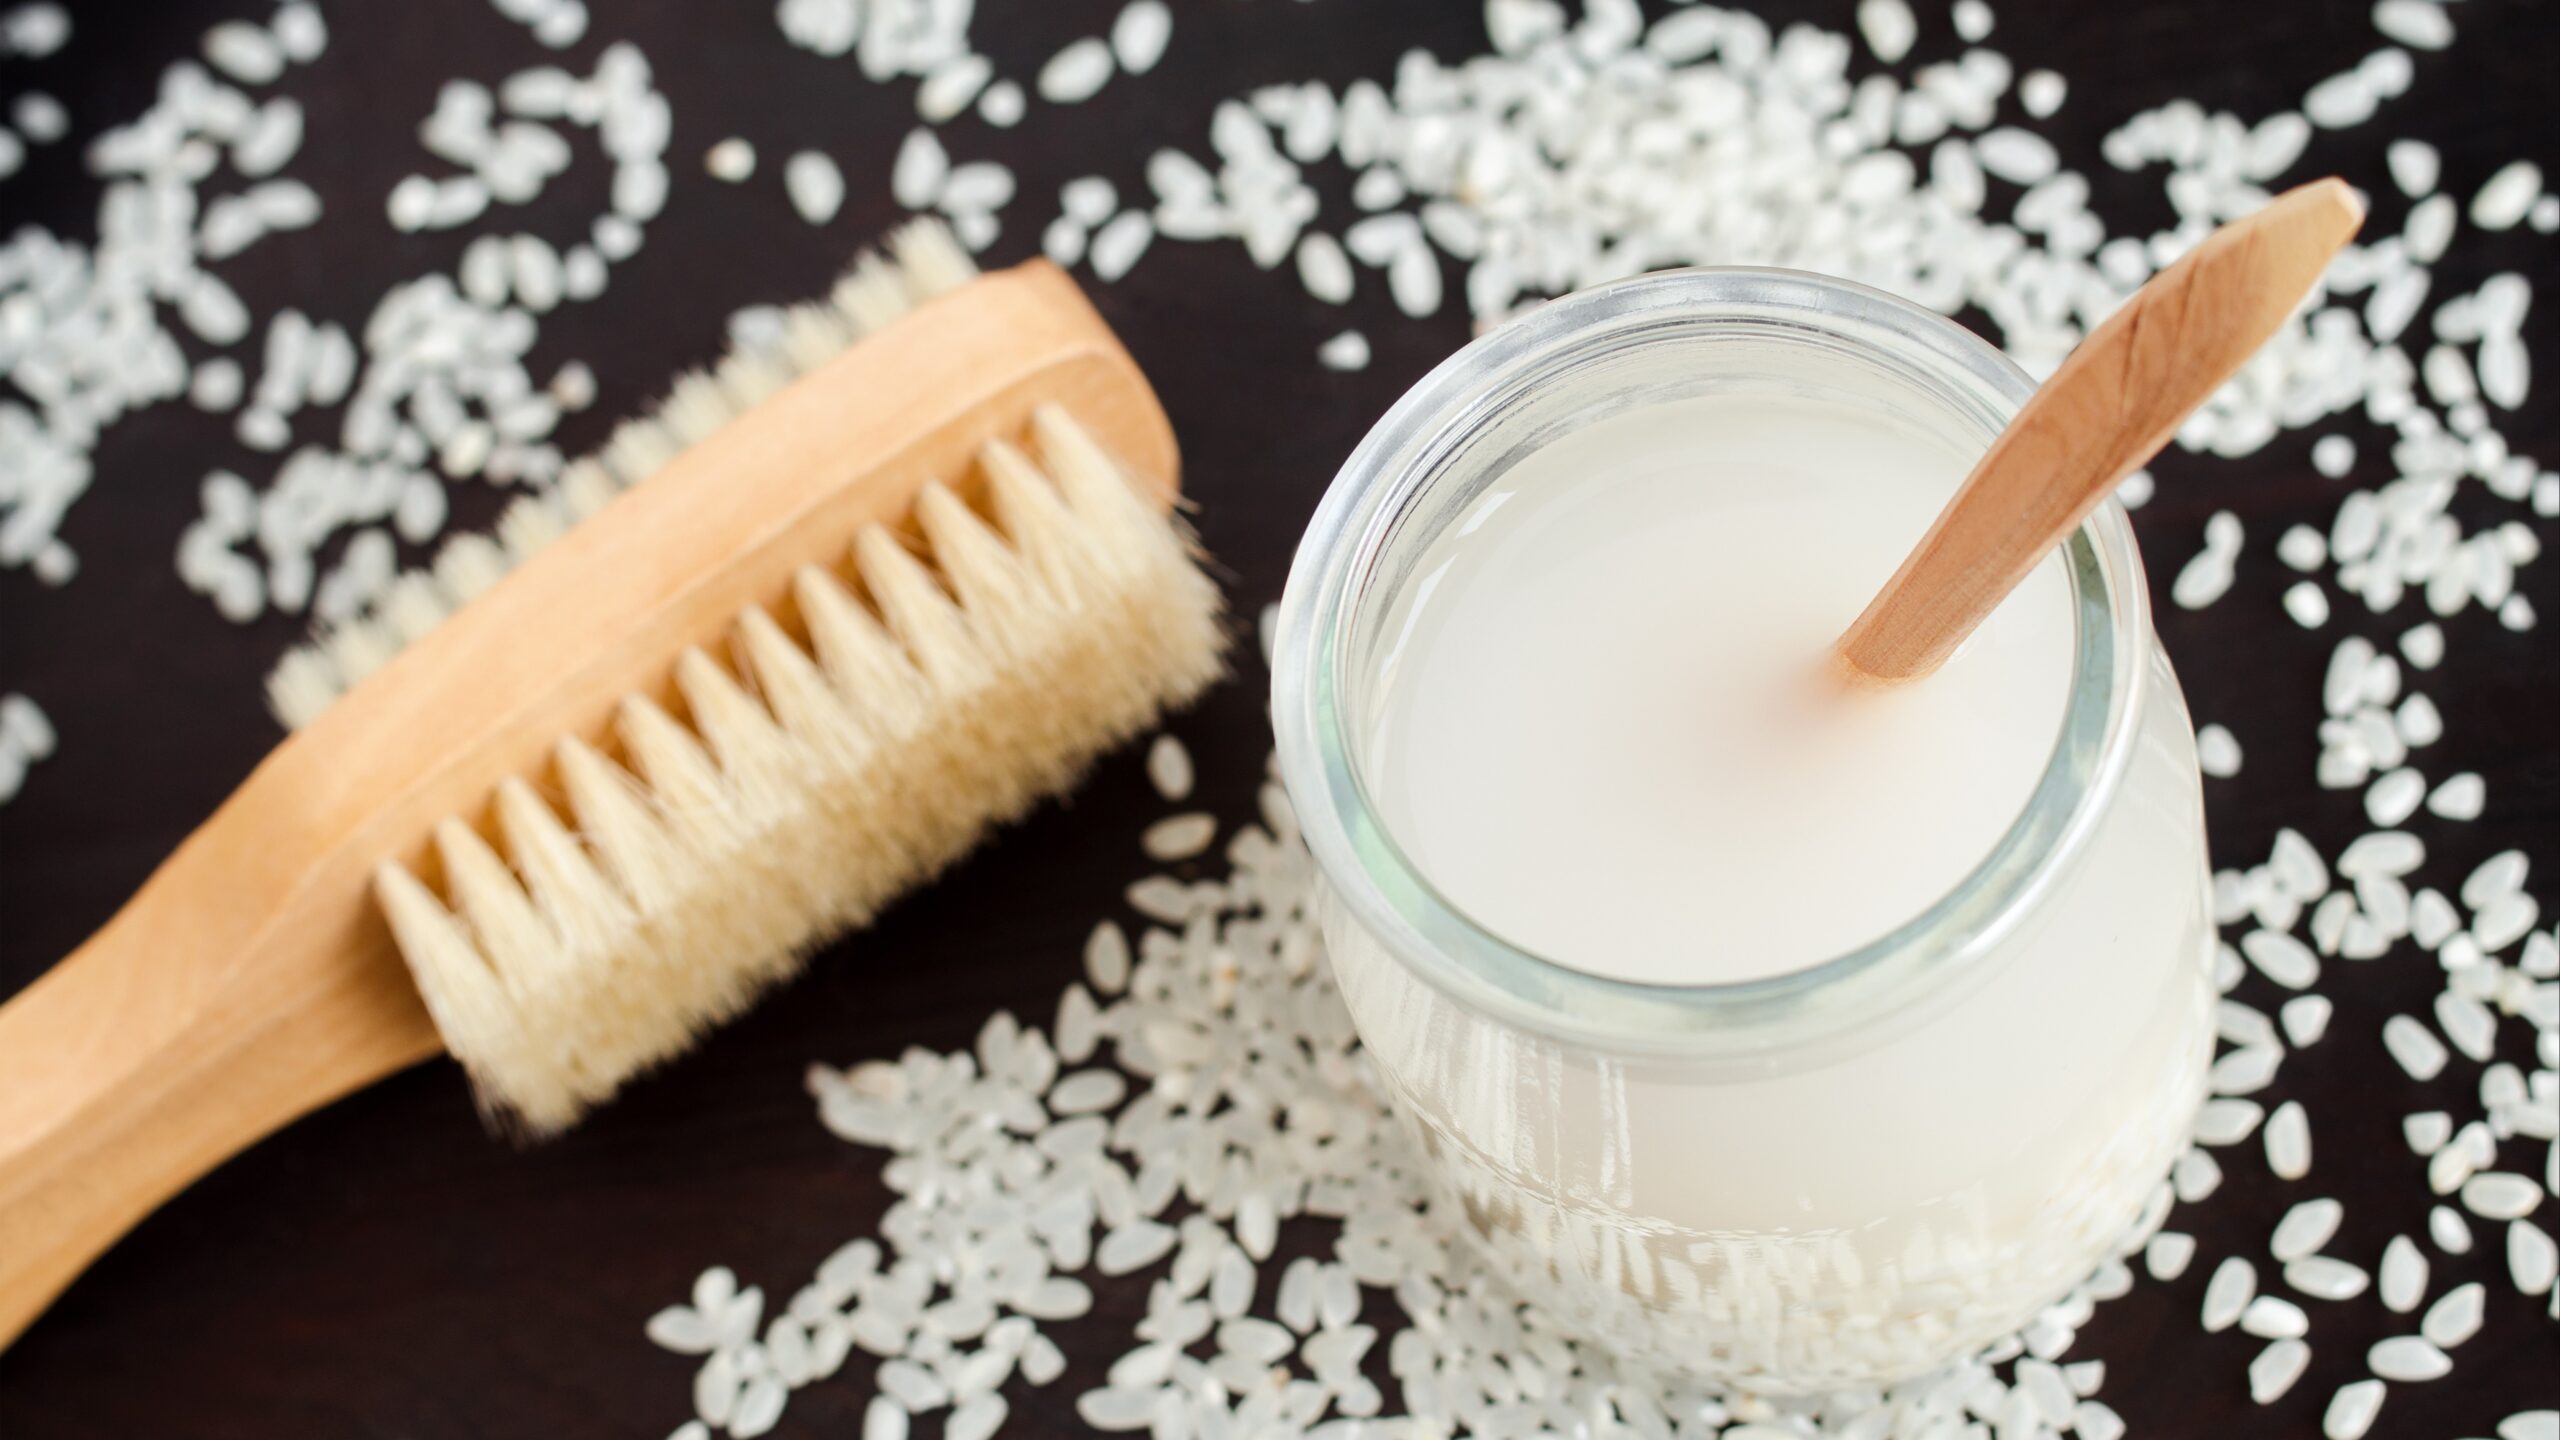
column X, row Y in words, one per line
column 2110, row 408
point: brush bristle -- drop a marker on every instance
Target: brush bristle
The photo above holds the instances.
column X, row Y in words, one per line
column 809, row 781
column 924, row 261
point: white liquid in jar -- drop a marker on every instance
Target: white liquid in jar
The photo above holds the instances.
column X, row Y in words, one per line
column 1603, row 729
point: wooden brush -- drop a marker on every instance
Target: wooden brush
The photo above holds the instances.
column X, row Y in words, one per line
column 804, row 663
column 2111, row 406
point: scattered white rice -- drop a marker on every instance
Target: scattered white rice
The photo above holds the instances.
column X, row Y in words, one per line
column 2408, row 1359
column 917, row 174
column 2456, row 1316
column 1889, row 28
column 2308, row 604
column 2288, row 1139
column 1180, row 837
column 1169, row 768
column 1140, row 34
column 952, row 86
column 2209, row 575
column 2415, row 1047
column 2271, row 1317
column 2217, row 752
column 1323, row 268
column 2305, row 1229
column 2403, row 1279
column 1077, row 72
column 2352, row 1410
column 1346, row 351
column 732, row 160
column 1002, row 105
column 2450, row 1232
column 2533, row 1258
column 2503, row 201
column 815, row 185
column 2418, row 24
column 2168, row 1255
column 2306, row 1019
column 34, row 30
column 1120, row 242
column 2322, row 1277
column 2228, row 1293
column 1088, row 200
column 2041, row 93
column 2275, row 1369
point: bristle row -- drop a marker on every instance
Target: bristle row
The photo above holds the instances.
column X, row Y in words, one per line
column 924, row 261
column 809, row 781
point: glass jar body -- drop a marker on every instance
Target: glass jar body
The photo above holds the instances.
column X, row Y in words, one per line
column 1849, row 1174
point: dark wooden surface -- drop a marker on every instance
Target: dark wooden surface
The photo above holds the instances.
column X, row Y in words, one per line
column 384, row 1269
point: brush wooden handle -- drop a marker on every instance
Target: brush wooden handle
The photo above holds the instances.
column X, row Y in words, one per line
column 215, row 1007
column 2114, row 403
column 252, row 980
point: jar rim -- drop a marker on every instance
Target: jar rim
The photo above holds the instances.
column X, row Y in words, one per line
column 1366, row 872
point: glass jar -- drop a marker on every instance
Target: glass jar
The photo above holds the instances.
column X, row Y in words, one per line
column 1846, row 1174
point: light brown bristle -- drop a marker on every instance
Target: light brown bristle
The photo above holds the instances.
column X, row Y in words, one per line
column 811, row 779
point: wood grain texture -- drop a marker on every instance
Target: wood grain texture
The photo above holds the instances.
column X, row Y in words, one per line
column 252, row 979
column 2108, row 408
column 382, row 1269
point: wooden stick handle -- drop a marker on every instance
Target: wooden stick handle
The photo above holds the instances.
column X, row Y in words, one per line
column 2114, row 403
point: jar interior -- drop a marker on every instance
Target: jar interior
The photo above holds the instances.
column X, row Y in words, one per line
column 1730, row 372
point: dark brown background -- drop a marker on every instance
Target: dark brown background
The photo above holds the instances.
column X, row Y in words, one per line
column 384, row 1269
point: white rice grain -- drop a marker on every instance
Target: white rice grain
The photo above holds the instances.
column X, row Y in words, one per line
column 2228, row 1293
column 247, row 53
column 2352, row 1410
column 1002, row 105
column 1889, row 28
column 1139, row 35
column 2455, row 1317
column 2500, row 1195
column 2275, row 1369
column 1119, row 244
column 2408, row 1359
column 1323, row 268
column 732, row 160
column 917, row 175
column 1169, row 768
column 2288, row 1140
column 2323, row 1278
column 2307, row 603
column 951, row 86
column 2305, row 1228
column 2533, row 1258
column 1076, row 73
column 2271, row 1317
column 2403, row 1278
column 2168, row 1254
column 2502, row 202
column 2450, row 1232
column 815, row 186
column 2395, row 797
column 2414, row 1046
column 2217, row 752
column 1346, row 351
column 2418, row 24
column 2414, row 167
column 2306, row 1019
